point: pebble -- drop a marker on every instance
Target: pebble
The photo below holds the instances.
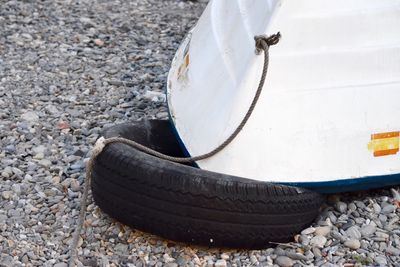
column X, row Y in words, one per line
column 318, row 241
column 377, row 208
column 353, row 232
column 6, row 194
column 368, row 230
column 45, row 163
column 341, row 207
column 308, row 231
column 284, row 261
column 393, row 251
column 323, row 230
column 388, row 209
column 296, row 256
column 99, row 42
column 353, row 244
column 381, row 260
column 220, row 263
column 30, row 116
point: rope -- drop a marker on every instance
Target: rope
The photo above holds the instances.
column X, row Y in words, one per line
column 262, row 43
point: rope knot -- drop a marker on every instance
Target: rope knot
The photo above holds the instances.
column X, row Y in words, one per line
column 263, row 42
column 99, row 145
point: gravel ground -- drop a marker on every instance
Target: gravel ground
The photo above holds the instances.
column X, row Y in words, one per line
column 68, row 69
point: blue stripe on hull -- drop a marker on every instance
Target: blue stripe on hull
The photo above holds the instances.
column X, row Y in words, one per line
column 351, row 184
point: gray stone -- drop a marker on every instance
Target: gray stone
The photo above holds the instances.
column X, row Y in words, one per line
column 284, row 261
column 6, row 194
column 322, row 230
column 388, row 209
column 368, row 230
column 352, row 243
column 17, row 171
column 352, row 207
column 74, row 184
column 308, row 231
column 341, row 207
column 280, row 252
column 381, row 260
column 353, row 232
column 318, row 241
column 377, row 208
column 395, row 194
column 30, row 116
column 45, row 163
column 39, row 149
column 61, row 264
column 393, row 251
column 296, row 256
column 220, row 263
column 16, row 188
column 121, row 248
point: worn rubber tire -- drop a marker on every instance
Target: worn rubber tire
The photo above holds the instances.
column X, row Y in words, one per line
column 188, row 204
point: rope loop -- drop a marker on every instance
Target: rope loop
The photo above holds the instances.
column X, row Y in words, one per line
column 263, row 42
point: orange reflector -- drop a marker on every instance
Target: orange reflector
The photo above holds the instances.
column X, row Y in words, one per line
column 383, row 144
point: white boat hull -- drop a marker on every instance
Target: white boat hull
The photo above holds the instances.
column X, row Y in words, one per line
column 330, row 108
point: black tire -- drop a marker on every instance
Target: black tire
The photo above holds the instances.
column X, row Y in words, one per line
column 184, row 203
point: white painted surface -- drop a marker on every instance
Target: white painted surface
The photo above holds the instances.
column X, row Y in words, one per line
column 333, row 80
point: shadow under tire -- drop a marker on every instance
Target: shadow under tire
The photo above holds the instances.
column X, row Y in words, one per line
column 184, row 203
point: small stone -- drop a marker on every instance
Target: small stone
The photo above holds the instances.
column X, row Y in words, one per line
column 62, row 125
column 322, row 230
column 308, row 231
column 39, row 156
column 61, row 264
column 74, row 184
column 352, row 243
column 99, row 42
column 52, row 109
column 352, row 207
column 395, row 194
column 368, row 230
column 220, row 263
column 382, row 235
column 388, row 209
column 318, row 241
column 121, row 248
column 353, row 232
column 45, row 163
column 56, row 179
column 317, row 252
column 25, row 259
column 17, row 171
column 39, row 149
column 279, row 251
column 16, row 188
column 377, row 208
column 224, row 256
column 30, row 116
column 347, row 225
column 304, row 240
column 393, row 251
column 5, row 174
column 381, row 260
column 6, row 194
column 296, row 256
column 341, row 207
column 284, row 261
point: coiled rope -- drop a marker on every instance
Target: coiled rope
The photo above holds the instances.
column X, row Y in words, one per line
column 262, row 43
